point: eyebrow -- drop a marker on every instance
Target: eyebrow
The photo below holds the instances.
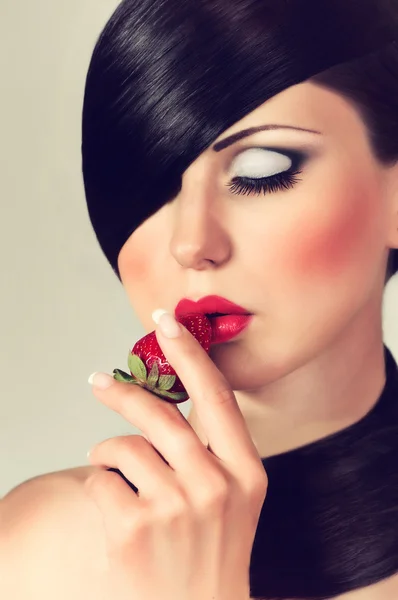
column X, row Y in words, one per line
column 231, row 139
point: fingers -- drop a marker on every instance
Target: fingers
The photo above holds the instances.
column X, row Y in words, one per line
column 120, row 508
column 139, row 462
column 161, row 422
column 214, row 401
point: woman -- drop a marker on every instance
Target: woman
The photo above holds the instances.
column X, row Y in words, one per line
column 249, row 149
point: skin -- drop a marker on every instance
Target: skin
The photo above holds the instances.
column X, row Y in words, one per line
column 309, row 262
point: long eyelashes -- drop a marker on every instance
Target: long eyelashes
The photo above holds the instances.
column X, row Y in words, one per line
column 281, row 181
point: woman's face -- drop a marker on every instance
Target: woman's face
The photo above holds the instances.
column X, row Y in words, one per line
column 307, row 259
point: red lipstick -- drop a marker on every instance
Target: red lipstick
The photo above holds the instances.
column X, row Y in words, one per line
column 227, row 318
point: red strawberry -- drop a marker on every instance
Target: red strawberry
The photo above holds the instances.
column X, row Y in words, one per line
column 150, row 368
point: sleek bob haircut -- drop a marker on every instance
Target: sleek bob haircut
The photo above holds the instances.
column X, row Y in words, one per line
column 167, row 77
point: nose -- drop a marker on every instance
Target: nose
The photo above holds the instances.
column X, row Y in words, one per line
column 199, row 238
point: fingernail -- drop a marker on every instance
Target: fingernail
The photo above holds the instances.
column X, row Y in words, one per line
column 89, row 453
column 167, row 323
column 101, row 380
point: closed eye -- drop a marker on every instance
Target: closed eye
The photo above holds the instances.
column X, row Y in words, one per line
column 284, row 180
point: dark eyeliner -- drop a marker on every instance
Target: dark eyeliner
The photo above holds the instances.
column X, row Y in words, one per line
column 280, row 181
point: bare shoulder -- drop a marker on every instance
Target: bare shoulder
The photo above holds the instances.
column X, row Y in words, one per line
column 51, row 540
column 43, row 495
column 75, row 474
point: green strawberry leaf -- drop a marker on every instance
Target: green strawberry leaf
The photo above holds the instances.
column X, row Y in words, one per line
column 166, row 382
column 120, row 375
column 175, row 396
column 153, row 375
column 137, row 367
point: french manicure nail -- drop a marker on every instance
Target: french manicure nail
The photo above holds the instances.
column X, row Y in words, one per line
column 167, row 323
column 101, row 380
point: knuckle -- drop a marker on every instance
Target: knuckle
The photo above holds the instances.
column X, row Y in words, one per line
column 135, row 442
column 129, row 526
column 191, row 351
column 258, row 486
column 184, row 439
column 212, row 503
column 132, row 448
column 127, row 444
column 172, row 507
column 221, row 395
column 97, row 481
column 130, row 520
column 169, row 417
column 213, row 497
column 89, row 483
column 181, row 441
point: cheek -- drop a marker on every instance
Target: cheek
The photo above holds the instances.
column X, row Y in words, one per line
column 145, row 270
column 329, row 243
column 137, row 257
column 136, row 266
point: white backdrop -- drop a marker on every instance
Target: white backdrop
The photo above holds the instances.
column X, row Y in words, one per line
column 63, row 312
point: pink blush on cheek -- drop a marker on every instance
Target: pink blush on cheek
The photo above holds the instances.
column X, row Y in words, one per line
column 327, row 249
column 137, row 267
column 136, row 258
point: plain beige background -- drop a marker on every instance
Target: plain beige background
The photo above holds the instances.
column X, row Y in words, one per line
column 64, row 313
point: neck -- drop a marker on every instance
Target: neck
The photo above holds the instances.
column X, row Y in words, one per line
column 334, row 390
column 328, row 523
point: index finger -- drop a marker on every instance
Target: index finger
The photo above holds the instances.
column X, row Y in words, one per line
column 213, row 398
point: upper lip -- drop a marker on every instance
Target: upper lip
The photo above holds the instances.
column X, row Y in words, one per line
column 208, row 305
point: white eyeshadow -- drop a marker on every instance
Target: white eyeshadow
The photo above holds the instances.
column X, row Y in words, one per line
column 259, row 162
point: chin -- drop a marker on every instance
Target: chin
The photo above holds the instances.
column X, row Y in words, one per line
column 242, row 370
column 248, row 369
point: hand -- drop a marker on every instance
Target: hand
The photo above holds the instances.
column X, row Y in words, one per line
column 188, row 533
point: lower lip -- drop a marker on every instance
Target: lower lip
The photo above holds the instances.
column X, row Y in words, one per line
column 227, row 327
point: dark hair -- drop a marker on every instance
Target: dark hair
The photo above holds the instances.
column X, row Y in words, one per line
column 166, row 78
